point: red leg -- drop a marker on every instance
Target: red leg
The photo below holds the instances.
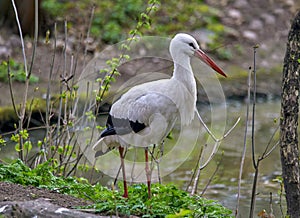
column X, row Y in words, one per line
column 121, row 151
column 148, row 173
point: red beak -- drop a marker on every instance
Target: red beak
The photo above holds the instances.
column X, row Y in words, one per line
column 200, row 54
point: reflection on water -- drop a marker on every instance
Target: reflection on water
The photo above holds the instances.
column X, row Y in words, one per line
column 224, row 185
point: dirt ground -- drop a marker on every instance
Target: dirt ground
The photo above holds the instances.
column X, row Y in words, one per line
column 16, row 192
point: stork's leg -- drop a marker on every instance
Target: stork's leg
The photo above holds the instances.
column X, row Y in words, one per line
column 148, row 172
column 121, row 151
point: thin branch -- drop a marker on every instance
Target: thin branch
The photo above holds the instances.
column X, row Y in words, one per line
column 48, row 111
column 21, row 36
column 265, row 155
column 253, row 108
column 245, row 144
column 217, row 141
column 88, row 34
column 196, row 167
column 213, row 153
column 213, row 175
column 197, row 175
column 206, row 128
column 266, row 152
column 253, row 194
column 11, row 89
column 231, row 129
column 36, row 33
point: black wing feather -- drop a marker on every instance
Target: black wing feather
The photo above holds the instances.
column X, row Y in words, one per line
column 120, row 126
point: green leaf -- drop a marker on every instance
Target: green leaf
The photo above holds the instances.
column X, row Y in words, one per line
column 28, row 145
column 17, row 147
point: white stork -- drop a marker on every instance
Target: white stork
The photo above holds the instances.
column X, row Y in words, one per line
column 146, row 113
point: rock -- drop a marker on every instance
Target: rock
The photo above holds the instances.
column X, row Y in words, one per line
column 279, row 12
column 15, row 41
column 204, row 36
column 268, row 19
column 2, row 41
column 256, row 24
column 39, row 208
column 235, row 15
column 241, row 4
column 5, row 52
column 250, row 35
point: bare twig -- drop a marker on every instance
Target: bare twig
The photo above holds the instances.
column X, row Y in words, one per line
column 253, row 107
column 88, row 35
column 197, row 175
column 194, row 171
column 268, row 151
column 217, row 141
column 11, row 89
column 36, row 33
column 255, row 163
column 213, row 175
column 253, row 194
column 206, row 128
column 245, row 143
column 21, row 35
column 63, row 76
column 266, row 154
column 48, row 110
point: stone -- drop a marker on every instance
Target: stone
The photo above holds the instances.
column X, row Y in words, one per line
column 5, row 52
column 40, row 208
column 241, row 4
column 256, row 24
column 234, row 13
column 250, row 35
column 268, row 19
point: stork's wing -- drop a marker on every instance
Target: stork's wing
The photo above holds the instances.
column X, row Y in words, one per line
column 121, row 126
column 139, row 114
column 162, row 96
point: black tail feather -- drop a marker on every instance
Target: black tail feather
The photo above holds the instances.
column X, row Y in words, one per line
column 108, row 131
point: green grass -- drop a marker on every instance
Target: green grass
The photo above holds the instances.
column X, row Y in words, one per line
column 167, row 200
column 17, row 72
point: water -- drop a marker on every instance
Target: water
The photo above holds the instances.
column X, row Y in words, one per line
column 223, row 186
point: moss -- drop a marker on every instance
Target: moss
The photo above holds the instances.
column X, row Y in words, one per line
column 7, row 113
column 8, row 117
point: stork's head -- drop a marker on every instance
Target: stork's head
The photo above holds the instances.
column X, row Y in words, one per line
column 184, row 44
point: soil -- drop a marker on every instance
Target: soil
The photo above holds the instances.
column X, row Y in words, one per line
column 16, row 192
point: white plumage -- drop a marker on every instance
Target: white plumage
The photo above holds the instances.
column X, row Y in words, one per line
column 146, row 113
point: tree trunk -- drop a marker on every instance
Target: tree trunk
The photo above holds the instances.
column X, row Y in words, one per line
column 289, row 150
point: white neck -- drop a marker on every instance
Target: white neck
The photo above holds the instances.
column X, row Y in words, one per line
column 183, row 73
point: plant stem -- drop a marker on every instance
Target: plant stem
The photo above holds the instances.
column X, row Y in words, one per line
column 253, row 195
column 244, row 145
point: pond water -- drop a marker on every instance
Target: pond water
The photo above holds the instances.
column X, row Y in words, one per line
column 224, row 185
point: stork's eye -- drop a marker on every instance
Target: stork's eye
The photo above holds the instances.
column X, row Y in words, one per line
column 192, row 45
